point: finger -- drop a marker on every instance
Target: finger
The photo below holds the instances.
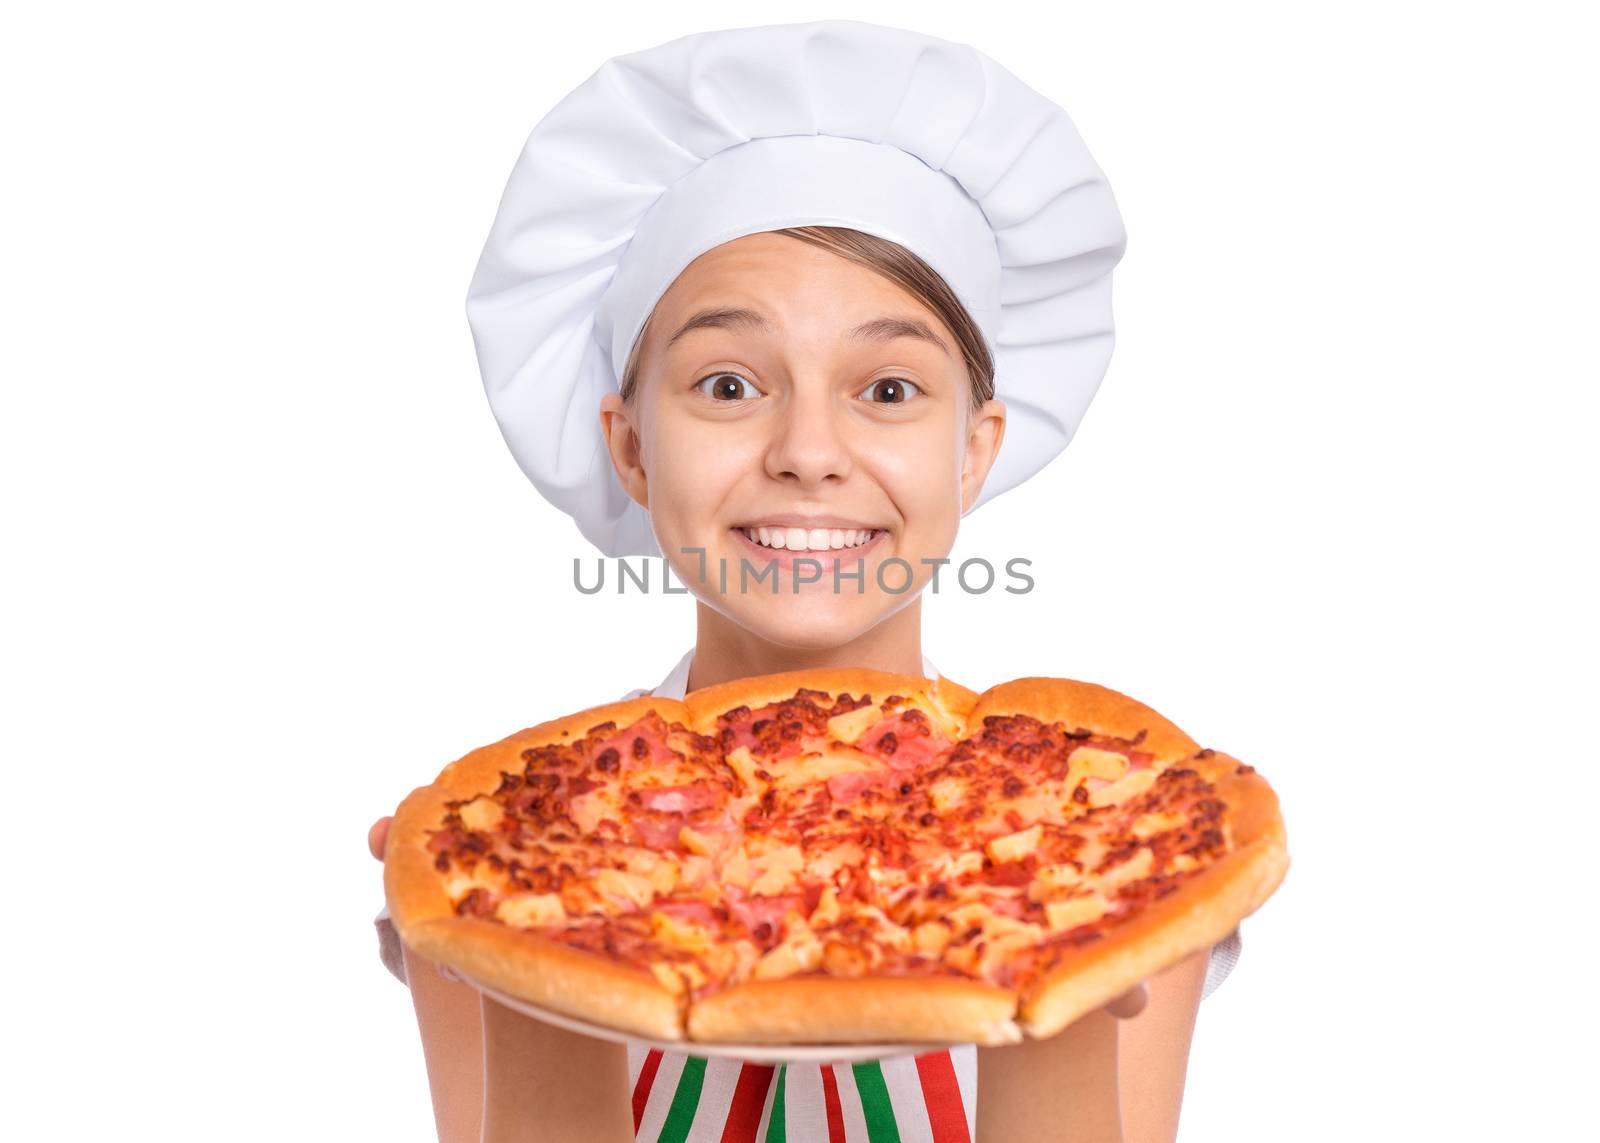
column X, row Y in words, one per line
column 377, row 836
column 1130, row 1003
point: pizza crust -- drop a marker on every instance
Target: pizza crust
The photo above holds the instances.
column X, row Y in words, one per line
column 949, row 701
column 1085, row 705
column 827, row 1009
column 525, row 964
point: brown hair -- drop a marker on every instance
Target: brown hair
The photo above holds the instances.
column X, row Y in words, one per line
column 905, row 270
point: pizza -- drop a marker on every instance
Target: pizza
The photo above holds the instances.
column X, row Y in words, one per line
column 834, row 856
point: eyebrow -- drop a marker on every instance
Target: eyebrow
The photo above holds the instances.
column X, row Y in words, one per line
column 879, row 329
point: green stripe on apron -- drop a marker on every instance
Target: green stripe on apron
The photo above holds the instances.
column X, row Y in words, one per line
column 685, row 1101
column 777, row 1129
column 875, row 1105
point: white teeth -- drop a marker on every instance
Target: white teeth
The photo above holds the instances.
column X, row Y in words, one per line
column 809, row 540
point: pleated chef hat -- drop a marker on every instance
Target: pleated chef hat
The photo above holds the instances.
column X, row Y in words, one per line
column 662, row 154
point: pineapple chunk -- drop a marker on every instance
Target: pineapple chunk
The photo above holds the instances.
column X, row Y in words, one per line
column 800, row 953
column 1014, row 846
column 627, row 887
column 668, row 979
column 689, row 937
column 530, row 910
column 1136, row 867
column 483, row 813
column 848, row 728
column 946, row 794
column 827, row 910
column 778, row 870
column 1092, row 762
column 587, row 811
column 1053, row 877
column 696, row 842
column 1001, row 947
column 815, row 766
column 1150, row 825
column 1069, row 914
column 663, row 878
column 1136, row 782
column 931, row 937
column 744, row 765
column 826, row 863
column 953, row 868
column 736, row 870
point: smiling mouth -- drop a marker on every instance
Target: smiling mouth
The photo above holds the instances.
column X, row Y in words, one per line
column 809, row 539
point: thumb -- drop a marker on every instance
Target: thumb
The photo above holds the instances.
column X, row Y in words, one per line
column 377, row 836
column 1130, row 1003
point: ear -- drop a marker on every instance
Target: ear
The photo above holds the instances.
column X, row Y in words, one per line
column 623, row 441
column 986, row 427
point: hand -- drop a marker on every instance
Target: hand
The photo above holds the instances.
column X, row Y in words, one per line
column 378, row 835
column 1130, row 1003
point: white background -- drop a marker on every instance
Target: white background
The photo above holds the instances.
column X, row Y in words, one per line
column 270, row 565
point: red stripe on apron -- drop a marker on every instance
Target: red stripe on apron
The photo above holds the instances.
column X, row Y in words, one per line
column 830, row 1099
column 942, row 1094
column 641, row 1089
column 749, row 1097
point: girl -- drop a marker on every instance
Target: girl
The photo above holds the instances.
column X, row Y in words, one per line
column 795, row 363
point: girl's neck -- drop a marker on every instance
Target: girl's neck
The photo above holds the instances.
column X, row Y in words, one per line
column 724, row 651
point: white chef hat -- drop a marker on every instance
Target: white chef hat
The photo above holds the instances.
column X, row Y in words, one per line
column 662, row 154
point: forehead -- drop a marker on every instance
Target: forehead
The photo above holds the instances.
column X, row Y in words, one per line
column 783, row 276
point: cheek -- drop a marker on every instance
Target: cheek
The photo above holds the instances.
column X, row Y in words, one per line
column 921, row 474
column 693, row 468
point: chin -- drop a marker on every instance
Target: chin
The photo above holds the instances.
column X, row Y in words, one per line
column 790, row 623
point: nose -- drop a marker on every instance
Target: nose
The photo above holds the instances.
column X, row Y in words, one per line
column 808, row 445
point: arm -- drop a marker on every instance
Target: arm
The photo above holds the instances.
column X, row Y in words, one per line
column 1153, row 1051
column 494, row 1074
column 452, row 1046
column 1063, row 1089
column 542, row 1083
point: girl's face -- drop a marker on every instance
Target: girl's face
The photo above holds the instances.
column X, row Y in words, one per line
column 790, row 396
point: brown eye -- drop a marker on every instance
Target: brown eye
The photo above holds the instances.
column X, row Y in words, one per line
column 891, row 391
column 727, row 387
